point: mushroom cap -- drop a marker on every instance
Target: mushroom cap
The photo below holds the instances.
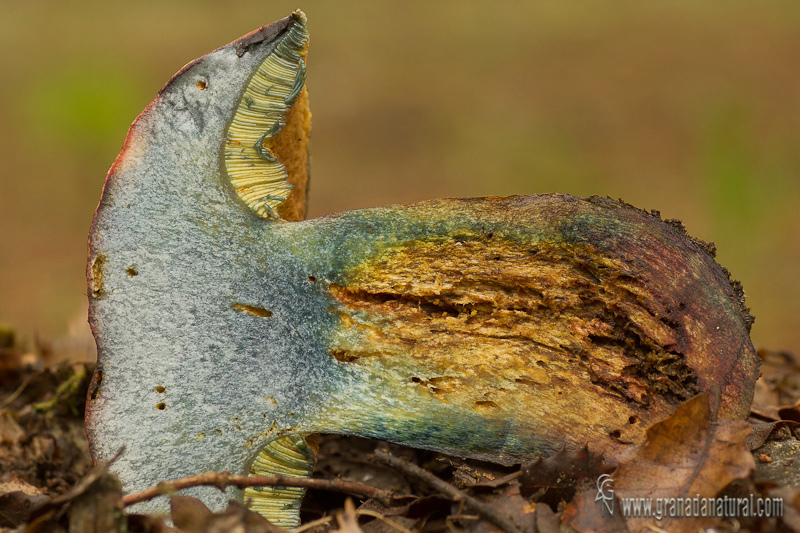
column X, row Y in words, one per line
column 495, row 328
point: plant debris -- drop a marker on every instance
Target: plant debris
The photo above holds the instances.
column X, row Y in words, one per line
column 47, row 482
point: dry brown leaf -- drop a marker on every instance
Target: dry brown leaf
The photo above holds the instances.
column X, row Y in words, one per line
column 17, row 500
column 685, row 455
column 778, row 388
column 190, row 515
column 10, row 430
column 15, row 484
column 546, row 520
column 507, row 501
column 348, row 521
column 764, row 431
column 98, row 509
column 565, row 468
column 554, row 479
column 239, row 518
column 586, row 515
column 47, row 450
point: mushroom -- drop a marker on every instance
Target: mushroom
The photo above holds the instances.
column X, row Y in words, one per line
column 230, row 332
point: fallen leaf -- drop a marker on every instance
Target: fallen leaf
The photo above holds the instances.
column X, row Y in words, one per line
column 778, row 388
column 14, row 484
column 348, row 521
column 98, row 509
column 546, row 520
column 17, row 500
column 686, row 455
column 586, row 515
column 766, row 430
column 190, row 515
column 555, row 478
column 506, row 501
column 10, row 430
column 237, row 517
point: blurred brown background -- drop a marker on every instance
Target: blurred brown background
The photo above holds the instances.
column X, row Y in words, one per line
column 686, row 107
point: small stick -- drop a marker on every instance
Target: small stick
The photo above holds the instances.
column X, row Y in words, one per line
column 223, row 480
column 379, row 516
column 314, row 523
column 488, row 512
column 14, row 395
column 359, row 512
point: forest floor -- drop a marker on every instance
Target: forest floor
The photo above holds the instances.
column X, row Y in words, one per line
column 48, row 484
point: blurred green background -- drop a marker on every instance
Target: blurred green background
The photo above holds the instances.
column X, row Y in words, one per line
column 691, row 108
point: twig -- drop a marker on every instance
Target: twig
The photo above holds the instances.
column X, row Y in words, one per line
column 488, row 512
column 656, row 529
column 14, row 395
column 359, row 512
column 379, row 516
column 223, row 480
column 311, row 525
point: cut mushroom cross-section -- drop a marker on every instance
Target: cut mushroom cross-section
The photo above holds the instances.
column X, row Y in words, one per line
column 230, row 331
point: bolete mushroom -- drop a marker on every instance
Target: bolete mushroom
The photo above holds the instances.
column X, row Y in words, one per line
column 229, row 332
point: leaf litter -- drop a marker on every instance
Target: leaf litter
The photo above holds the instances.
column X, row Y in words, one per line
column 48, row 484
